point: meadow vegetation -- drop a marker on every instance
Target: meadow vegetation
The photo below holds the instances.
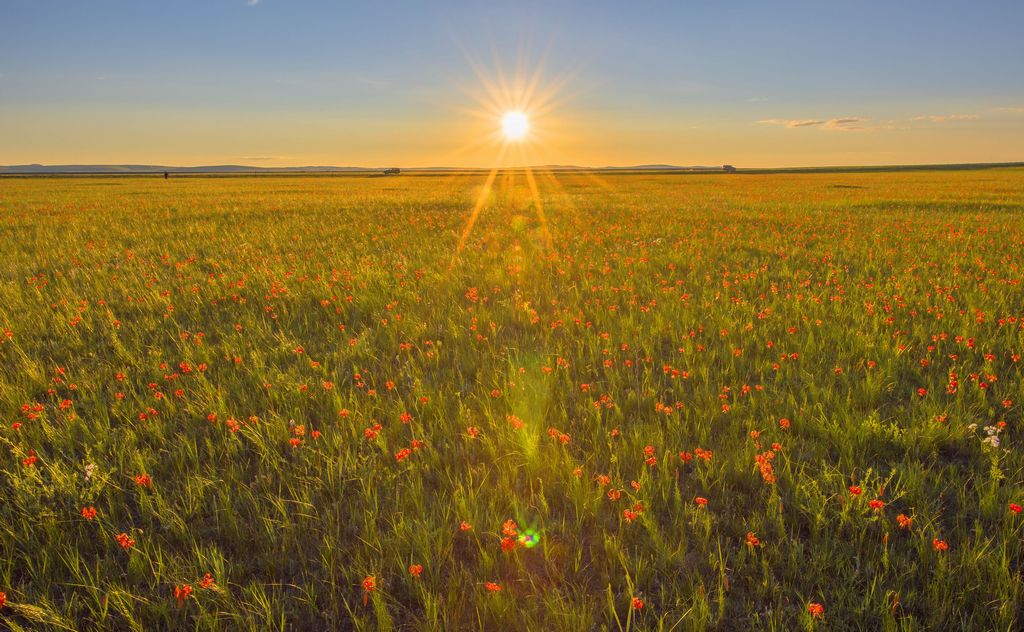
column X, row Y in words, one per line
column 645, row 402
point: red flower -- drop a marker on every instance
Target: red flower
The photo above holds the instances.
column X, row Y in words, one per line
column 939, row 545
column 181, row 593
column 637, row 603
column 3, row 599
column 465, row 526
column 904, row 521
column 125, row 541
column 143, row 480
column 402, row 454
column 492, row 587
column 88, row 513
column 1015, row 508
column 30, row 460
column 510, row 528
column 701, row 501
column 816, row 610
column 752, row 540
column 369, row 585
column 876, row 504
column 855, row 490
column 206, row 581
column 415, row 570
column 508, row 544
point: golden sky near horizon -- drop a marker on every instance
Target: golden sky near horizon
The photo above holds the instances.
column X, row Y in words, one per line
column 189, row 138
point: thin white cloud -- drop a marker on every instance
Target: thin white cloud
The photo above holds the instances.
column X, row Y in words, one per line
column 943, row 118
column 757, row 99
column 1012, row 110
column 844, row 124
column 792, row 123
column 252, row 3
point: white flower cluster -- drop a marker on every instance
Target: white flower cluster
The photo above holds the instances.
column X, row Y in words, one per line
column 991, row 437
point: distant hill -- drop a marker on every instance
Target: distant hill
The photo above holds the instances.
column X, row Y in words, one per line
column 240, row 169
column 129, row 169
column 102, row 169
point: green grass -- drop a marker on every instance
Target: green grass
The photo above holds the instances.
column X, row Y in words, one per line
column 644, row 310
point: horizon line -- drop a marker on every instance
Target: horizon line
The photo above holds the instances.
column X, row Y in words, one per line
column 140, row 168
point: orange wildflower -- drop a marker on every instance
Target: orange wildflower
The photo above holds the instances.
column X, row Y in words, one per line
column 369, row 585
column 816, row 610
column 125, row 541
column 181, row 593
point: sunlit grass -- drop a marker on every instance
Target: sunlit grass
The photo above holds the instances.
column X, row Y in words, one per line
column 562, row 351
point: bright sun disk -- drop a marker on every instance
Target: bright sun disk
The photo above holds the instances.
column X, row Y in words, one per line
column 514, row 125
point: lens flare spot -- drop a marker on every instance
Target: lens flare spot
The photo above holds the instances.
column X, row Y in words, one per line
column 529, row 538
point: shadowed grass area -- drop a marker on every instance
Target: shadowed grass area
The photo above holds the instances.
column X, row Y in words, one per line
column 294, row 384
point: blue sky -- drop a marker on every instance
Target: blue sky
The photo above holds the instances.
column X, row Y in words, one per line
column 304, row 82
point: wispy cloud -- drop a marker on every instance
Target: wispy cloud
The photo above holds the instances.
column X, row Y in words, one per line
column 844, row 124
column 943, row 118
column 757, row 99
column 848, row 123
column 1013, row 110
column 252, row 3
column 792, row 122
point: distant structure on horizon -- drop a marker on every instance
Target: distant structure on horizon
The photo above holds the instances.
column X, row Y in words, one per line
column 728, row 168
column 392, row 171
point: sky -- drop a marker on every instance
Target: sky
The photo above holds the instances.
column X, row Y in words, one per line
column 418, row 84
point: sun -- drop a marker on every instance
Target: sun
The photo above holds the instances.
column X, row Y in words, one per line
column 515, row 125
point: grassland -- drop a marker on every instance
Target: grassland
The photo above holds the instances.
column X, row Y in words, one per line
column 307, row 389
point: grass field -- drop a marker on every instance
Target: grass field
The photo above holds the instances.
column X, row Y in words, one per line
column 647, row 402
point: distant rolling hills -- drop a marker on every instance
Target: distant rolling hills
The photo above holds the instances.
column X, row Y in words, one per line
column 37, row 169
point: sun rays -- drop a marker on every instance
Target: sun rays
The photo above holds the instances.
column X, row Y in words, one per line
column 520, row 110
